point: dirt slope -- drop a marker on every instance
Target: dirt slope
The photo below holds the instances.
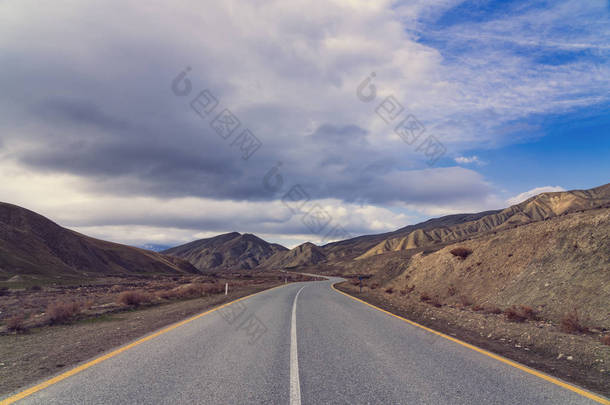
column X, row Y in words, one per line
column 554, row 266
column 228, row 251
column 32, row 245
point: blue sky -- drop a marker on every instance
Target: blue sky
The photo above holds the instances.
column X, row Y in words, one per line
column 102, row 127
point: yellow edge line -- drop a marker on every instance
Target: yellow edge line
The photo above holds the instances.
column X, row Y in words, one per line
column 489, row 354
column 76, row 370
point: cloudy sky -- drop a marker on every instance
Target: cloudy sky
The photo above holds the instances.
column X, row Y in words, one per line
column 161, row 122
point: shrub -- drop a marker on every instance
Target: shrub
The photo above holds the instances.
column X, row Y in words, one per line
column 16, row 323
column 605, row 340
column 116, row 288
column 571, row 323
column 493, row 310
column 513, row 314
column 3, row 291
column 435, row 302
column 60, row 312
column 477, row 307
column 374, row 286
column 424, row 297
column 520, row 314
column 35, row 288
column 134, row 298
column 451, row 291
column 403, row 292
column 461, row 252
column 389, row 290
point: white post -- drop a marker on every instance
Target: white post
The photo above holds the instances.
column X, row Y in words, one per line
column 226, row 288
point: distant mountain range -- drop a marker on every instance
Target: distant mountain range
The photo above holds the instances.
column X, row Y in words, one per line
column 32, row 245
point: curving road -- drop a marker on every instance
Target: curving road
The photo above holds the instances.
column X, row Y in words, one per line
column 320, row 348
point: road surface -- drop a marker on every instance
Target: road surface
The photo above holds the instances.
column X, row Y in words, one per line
column 320, row 348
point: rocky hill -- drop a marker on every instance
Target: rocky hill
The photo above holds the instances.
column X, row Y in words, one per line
column 306, row 254
column 538, row 208
column 33, row 246
column 228, row 251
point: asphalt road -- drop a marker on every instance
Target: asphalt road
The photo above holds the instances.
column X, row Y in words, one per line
column 322, row 348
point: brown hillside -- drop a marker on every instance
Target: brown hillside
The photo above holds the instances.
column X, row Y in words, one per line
column 32, row 245
column 554, row 266
column 306, row 254
column 228, row 251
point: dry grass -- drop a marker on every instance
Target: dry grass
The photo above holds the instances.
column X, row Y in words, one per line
column 61, row 312
column 435, row 301
column 465, row 301
column 16, row 323
column 116, row 289
column 571, row 323
column 493, row 310
column 605, row 340
column 520, row 314
column 451, row 291
column 134, row 298
column 461, row 252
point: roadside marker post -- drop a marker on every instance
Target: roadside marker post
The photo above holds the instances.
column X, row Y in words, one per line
column 226, row 288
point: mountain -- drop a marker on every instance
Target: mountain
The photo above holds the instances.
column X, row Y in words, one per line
column 306, row 254
column 32, row 245
column 228, row 251
column 354, row 247
column 538, row 208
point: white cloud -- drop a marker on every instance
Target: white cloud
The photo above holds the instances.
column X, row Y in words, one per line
column 468, row 160
column 530, row 193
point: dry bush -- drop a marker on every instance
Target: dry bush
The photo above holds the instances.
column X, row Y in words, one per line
column 116, row 288
column 571, row 323
column 134, row 298
column 465, row 301
column 605, row 340
column 493, row 310
column 477, row 307
column 451, row 291
column 35, row 287
column 3, row 291
column 60, row 311
column 424, row 297
column 461, row 252
column 213, row 289
column 513, row 314
column 374, row 286
column 403, row 292
column 520, row 314
column 389, row 290
column 16, row 323
column 435, row 302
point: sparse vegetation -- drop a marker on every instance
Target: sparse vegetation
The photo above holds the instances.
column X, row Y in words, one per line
column 403, row 292
column 520, row 314
column 465, row 301
column 134, row 298
column 605, row 340
column 16, row 323
column 571, row 323
column 493, row 310
column 424, row 297
column 461, row 252
column 451, row 291
column 61, row 312
column 389, row 290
